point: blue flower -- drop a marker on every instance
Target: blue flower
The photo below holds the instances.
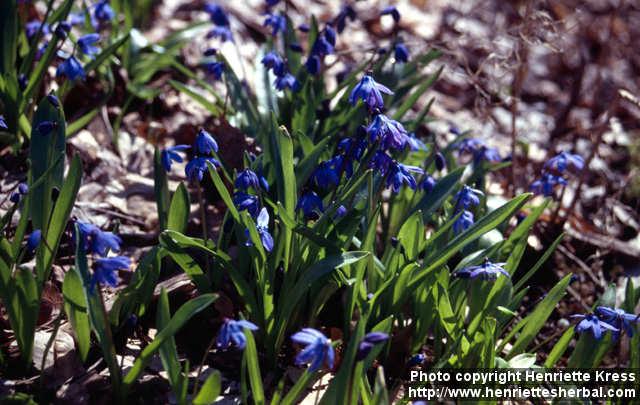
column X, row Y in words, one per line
column 464, row 222
column 46, row 127
column 53, row 100
column 271, row 3
column 485, row 271
column 416, row 359
column 330, row 35
column 262, row 226
column 277, row 23
column 327, row 173
column 341, row 19
column 244, row 201
column 546, row 184
column 564, row 161
column 23, row 188
column 341, row 211
column 285, row 81
column 247, row 178
column 479, row 150
column 321, row 46
column 217, row 14
column 304, row 27
column 391, row 133
column 233, row 331
column 32, row 28
column 196, row 168
column 34, row 240
column 215, row 69
column 222, row 33
column 399, row 174
column 381, row 162
column 169, row 155
column 392, row 11
column 617, row 317
column 318, row 349
column 353, row 148
column 428, row 183
column 105, row 270
column 95, row 240
column 467, row 197
column 23, row 82
column 313, row 64
column 71, row 69
column 310, row 204
column 368, row 342
column 103, row 11
column 440, row 161
column 3, row 123
column 85, row 43
column 591, row 323
column 415, row 144
column 295, row 47
column 205, row 144
column 370, row 92
column 401, row 53
column 272, row 60
column 62, row 29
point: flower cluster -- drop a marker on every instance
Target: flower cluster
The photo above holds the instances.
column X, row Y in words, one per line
column 478, row 149
column 248, row 181
column 466, row 198
column 606, row 319
column 553, row 173
column 94, row 240
column 486, row 271
column 220, row 20
column 204, row 147
column 284, row 79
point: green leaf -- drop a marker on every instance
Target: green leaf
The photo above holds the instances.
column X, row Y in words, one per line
column 182, row 315
column 417, row 93
column 197, row 96
column 106, row 53
column 430, row 202
column 559, row 348
column 210, row 389
column 75, row 306
column 161, row 189
column 251, row 358
column 179, row 210
column 8, row 36
column 168, row 350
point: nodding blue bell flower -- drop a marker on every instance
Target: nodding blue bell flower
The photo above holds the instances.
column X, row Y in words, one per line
column 233, row 331
column 247, row 178
column 370, row 340
column 105, row 270
column 327, row 173
column 14, row 198
column 317, row 349
column 46, row 127
column 401, row 53
column 391, row 133
column 277, row 22
column 414, row 143
column 304, row 27
column 485, row 271
column 467, row 197
column 34, row 240
column 103, row 11
column 546, row 184
column 244, row 201
column 271, row 3
column 341, row 211
column 23, row 188
column 330, row 34
column 210, row 52
column 53, row 100
column 95, row 240
column 428, row 183
column 3, row 123
column 23, row 82
column 399, row 174
column 205, row 144
column 222, row 33
column 392, row 11
column 295, row 47
column 272, row 60
column 619, row 318
column 464, row 222
column 321, row 46
column 195, row 169
column 310, row 204
column 262, row 226
column 169, row 155
column 32, row 27
column 563, row 161
column 341, row 20
column 313, row 64
column 592, row 324
column 215, row 69
column 440, row 161
column 62, row 29
column 479, row 150
column 381, row 162
column 287, row 81
column 71, row 69
column 85, row 43
column 370, row 92
column 217, row 14
column 416, row 359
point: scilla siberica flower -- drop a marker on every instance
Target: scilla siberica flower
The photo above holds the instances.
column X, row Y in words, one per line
column 272, row 60
column 85, row 43
column 62, row 29
column 341, row 19
column 244, row 201
column 277, row 23
column 381, row 162
column 215, row 69
column 32, row 27
column 205, row 144
column 247, row 178
column 391, row 133
column 591, row 323
column 428, row 183
column 310, row 204
column 478, row 149
column 95, row 240
column 618, row 318
column 262, row 226
column 414, row 143
column 71, row 69
column 564, row 161
column 485, row 271
column 169, row 155
column 392, row 11
column 467, row 197
column 370, row 92
column 233, row 331
column 222, row 33
column 401, row 53
column 327, row 173
column 318, row 349
column 464, row 222
column 103, row 11
column 399, row 174
column 217, row 14
column 3, row 123
column 46, row 127
column 287, row 81
column 105, row 270
column 195, row 169
column 546, row 184
column 34, row 240
column 368, row 342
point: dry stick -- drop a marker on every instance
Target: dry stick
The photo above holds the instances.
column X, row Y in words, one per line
column 204, row 358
